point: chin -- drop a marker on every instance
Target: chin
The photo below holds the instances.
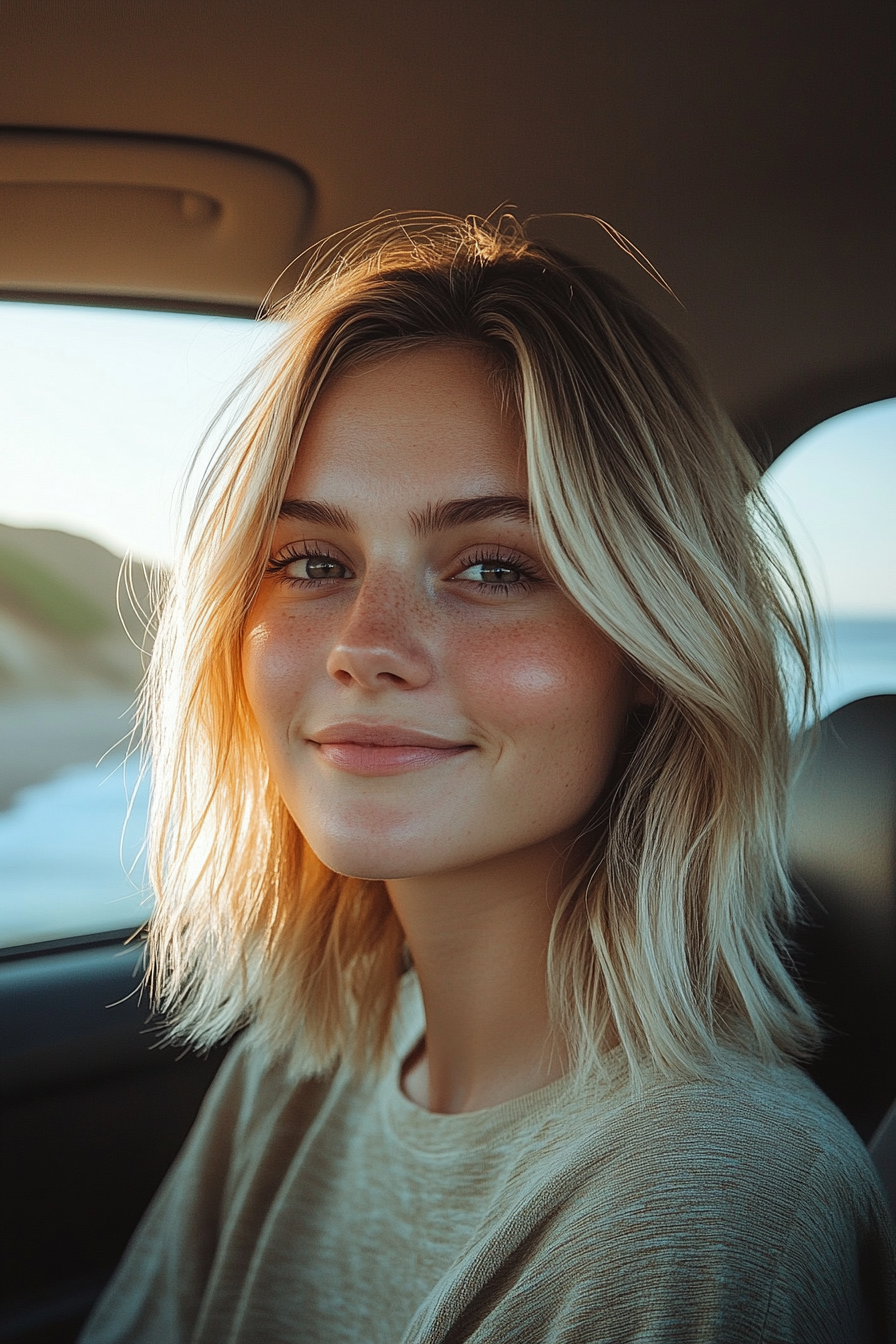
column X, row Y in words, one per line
column 381, row 858
column 377, row 843
column 370, row 868
column 372, row 858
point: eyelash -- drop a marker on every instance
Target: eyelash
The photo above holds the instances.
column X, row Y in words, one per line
column 528, row 575
column 277, row 564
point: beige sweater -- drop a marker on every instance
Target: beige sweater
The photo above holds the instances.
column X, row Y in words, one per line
column 738, row 1209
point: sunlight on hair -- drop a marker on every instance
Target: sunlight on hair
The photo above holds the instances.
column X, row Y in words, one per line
column 670, row 937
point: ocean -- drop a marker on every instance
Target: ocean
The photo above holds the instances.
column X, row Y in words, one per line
column 71, row 857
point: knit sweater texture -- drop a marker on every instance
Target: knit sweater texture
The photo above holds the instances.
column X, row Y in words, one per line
column 734, row 1209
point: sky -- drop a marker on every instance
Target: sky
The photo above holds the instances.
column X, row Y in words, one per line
column 101, row 411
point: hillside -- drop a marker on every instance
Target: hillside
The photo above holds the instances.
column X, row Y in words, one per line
column 61, row 631
column 68, row 666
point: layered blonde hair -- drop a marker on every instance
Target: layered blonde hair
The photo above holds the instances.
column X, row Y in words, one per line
column 668, row 935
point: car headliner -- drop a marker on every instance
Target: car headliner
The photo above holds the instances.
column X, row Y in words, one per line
column 745, row 147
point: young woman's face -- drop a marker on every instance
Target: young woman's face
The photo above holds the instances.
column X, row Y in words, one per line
column 428, row 698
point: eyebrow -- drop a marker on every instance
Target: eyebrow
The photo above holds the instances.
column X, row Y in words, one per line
column 311, row 511
column 434, row 518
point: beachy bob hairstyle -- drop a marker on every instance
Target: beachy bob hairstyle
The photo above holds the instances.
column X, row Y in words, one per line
column 668, row 936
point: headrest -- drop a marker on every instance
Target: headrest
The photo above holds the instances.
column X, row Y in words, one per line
column 843, row 859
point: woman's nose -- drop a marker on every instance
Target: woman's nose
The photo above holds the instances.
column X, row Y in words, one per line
column 381, row 642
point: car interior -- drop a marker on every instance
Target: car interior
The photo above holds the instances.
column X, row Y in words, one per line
column 180, row 158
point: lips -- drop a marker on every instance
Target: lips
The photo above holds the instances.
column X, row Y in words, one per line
column 382, row 749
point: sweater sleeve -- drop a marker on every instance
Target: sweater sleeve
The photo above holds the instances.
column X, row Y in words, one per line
column 197, row 1237
column 156, row 1291
column 662, row 1275
column 836, row 1276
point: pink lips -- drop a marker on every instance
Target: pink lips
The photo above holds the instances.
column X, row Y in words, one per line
column 382, row 749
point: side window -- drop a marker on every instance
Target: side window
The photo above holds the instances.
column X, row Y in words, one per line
column 102, row 410
column 835, row 488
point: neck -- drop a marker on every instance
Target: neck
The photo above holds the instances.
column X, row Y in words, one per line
column 479, row 940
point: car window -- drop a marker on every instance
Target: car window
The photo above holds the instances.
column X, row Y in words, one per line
column 101, row 411
column 835, row 488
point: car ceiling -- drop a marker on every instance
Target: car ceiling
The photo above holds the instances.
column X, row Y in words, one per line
column 745, row 147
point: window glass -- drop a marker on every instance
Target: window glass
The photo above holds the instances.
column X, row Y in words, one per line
column 101, row 411
column 835, row 488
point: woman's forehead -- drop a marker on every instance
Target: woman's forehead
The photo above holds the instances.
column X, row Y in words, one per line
column 425, row 420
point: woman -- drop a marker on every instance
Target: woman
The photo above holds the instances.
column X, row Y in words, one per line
column 470, row 757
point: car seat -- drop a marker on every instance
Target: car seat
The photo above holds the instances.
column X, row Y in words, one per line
column 843, row 860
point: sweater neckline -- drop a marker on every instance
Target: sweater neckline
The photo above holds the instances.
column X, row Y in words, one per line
column 467, row 1132
column 436, row 1133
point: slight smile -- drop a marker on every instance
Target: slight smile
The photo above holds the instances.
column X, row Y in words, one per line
column 382, row 749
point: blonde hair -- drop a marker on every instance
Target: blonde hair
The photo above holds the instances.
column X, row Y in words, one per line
column 668, row 936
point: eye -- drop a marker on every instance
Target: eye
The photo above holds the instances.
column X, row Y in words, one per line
column 319, row 567
column 496, row 573
column 300, row 567
column 491, row 571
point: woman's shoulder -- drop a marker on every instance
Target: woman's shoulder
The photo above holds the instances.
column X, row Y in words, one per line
column 746, row 1200
column 742, row 1127
column 740, row 1092
column 257, row 1107
column 258, row 1091
column 748, row 1171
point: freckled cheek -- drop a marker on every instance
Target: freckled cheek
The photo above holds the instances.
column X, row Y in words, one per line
column 538, row 679
column 277, row 668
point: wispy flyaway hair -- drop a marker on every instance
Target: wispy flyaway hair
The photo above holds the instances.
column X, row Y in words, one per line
column 668, row 936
